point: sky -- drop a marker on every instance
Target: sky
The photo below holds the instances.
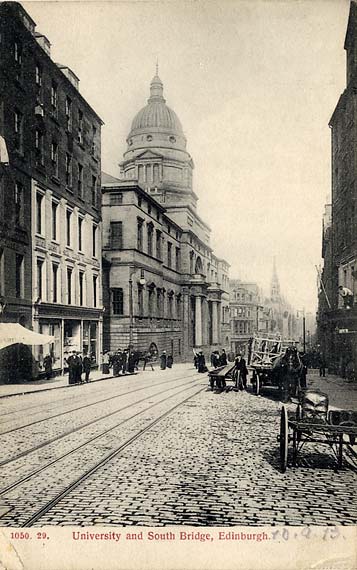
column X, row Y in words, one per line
column 254, row 84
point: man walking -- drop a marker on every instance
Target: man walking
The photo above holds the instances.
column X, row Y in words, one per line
column 86, row 367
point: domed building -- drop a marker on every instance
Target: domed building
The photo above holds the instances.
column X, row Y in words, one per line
column 163, row 287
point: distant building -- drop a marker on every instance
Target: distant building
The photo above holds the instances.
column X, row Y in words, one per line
column 252, row 313
column 50, row 199
column 337, row 314
column 163, row 287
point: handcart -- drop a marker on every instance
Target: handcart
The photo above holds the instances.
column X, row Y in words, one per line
column 313, row 422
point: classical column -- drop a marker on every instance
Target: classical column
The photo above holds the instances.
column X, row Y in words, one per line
column 214, row 322
column 198, row 321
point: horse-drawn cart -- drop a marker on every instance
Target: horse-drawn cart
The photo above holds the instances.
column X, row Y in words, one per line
column 265, row 353
column 313, row 422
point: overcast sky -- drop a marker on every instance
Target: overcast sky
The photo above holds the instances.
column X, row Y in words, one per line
column 254, row 84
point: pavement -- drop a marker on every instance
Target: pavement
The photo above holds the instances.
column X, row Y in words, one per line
column 342, row 392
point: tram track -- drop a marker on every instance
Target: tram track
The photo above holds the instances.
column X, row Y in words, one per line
column 85, row 425
column 62, row 492
column 115, row 453
column 96, row 402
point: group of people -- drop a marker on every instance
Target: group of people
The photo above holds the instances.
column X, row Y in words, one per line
column 218, row 359
column 77, row 364
column 200, row 362
column 122, row 362
column 166, row 361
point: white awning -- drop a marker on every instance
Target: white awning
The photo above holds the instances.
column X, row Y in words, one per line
column 14, row 333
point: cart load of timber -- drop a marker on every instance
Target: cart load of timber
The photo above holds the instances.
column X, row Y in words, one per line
column 274, row 361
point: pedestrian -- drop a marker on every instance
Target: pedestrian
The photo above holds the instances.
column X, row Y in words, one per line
column 86, row 367
column 131, row 362
column 124, row 361
column 236, row 371
column 47, row 364
column 223, row 358
column 201, row 363
column 79, row 368
column 215, row 359
column 105, row 363
column 163, row 360
column 322, row 366
column 195, row 360
column 117, row 363
column 347, row 296
column 148, row 360
column 170, row 361
column 71, row 361
column 243, row 373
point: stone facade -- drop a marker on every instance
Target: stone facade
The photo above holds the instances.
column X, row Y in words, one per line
column 337, row 324
column 172, row 289
column 50, row 214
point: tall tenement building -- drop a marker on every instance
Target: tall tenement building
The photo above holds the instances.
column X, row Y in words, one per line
column 337, row 316
column 163, row 288
column 50, row 198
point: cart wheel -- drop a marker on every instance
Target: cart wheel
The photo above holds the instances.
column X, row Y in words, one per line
column 284, row 437
column 257, row 386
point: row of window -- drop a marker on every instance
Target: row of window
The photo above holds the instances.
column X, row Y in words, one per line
column 150, row 303
column 70, row 225
column 72, row 295
column 54, row 99
column 243, row 327
column 19, row 274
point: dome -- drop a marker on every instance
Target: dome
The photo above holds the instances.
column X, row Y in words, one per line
column 156, row 114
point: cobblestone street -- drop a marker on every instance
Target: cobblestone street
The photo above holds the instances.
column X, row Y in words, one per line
column 211, row 460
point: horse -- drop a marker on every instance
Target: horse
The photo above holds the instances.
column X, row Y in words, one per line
column 290, row 374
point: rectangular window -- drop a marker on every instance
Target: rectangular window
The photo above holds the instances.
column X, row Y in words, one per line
column 2, row 271
column 19, row 279
column 54, row 158
column 178, row 259
column 39, row 198
column 19, row 206
column 95, row 280
column 94, row 140
column 18, row 127
column 68, row 114
column 158, row 244
column 39, row 146
column 94, row 191
column 94, row 241
column 80, row 126
column 117, row 302
column 18, row 52
column 150, row 238
column 116, row 235
column 151, row 303
column 140, row 234
column 39, row 278
column 80, row 181
column 69, row 285
column 54, row 98
column 80, row 228
column 68, row 170
column 81, row 283
column 169, row 254
column 38, row 75
column 68, row 227
column 140, row 301
column 54, row 283
column 116, row 199
column 54, row 220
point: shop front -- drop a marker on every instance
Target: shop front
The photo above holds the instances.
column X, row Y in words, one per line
column 74, row 332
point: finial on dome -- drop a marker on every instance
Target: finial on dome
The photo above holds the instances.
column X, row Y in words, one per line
column 156, row 86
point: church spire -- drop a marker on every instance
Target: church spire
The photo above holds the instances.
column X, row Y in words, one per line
column 275, row 285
